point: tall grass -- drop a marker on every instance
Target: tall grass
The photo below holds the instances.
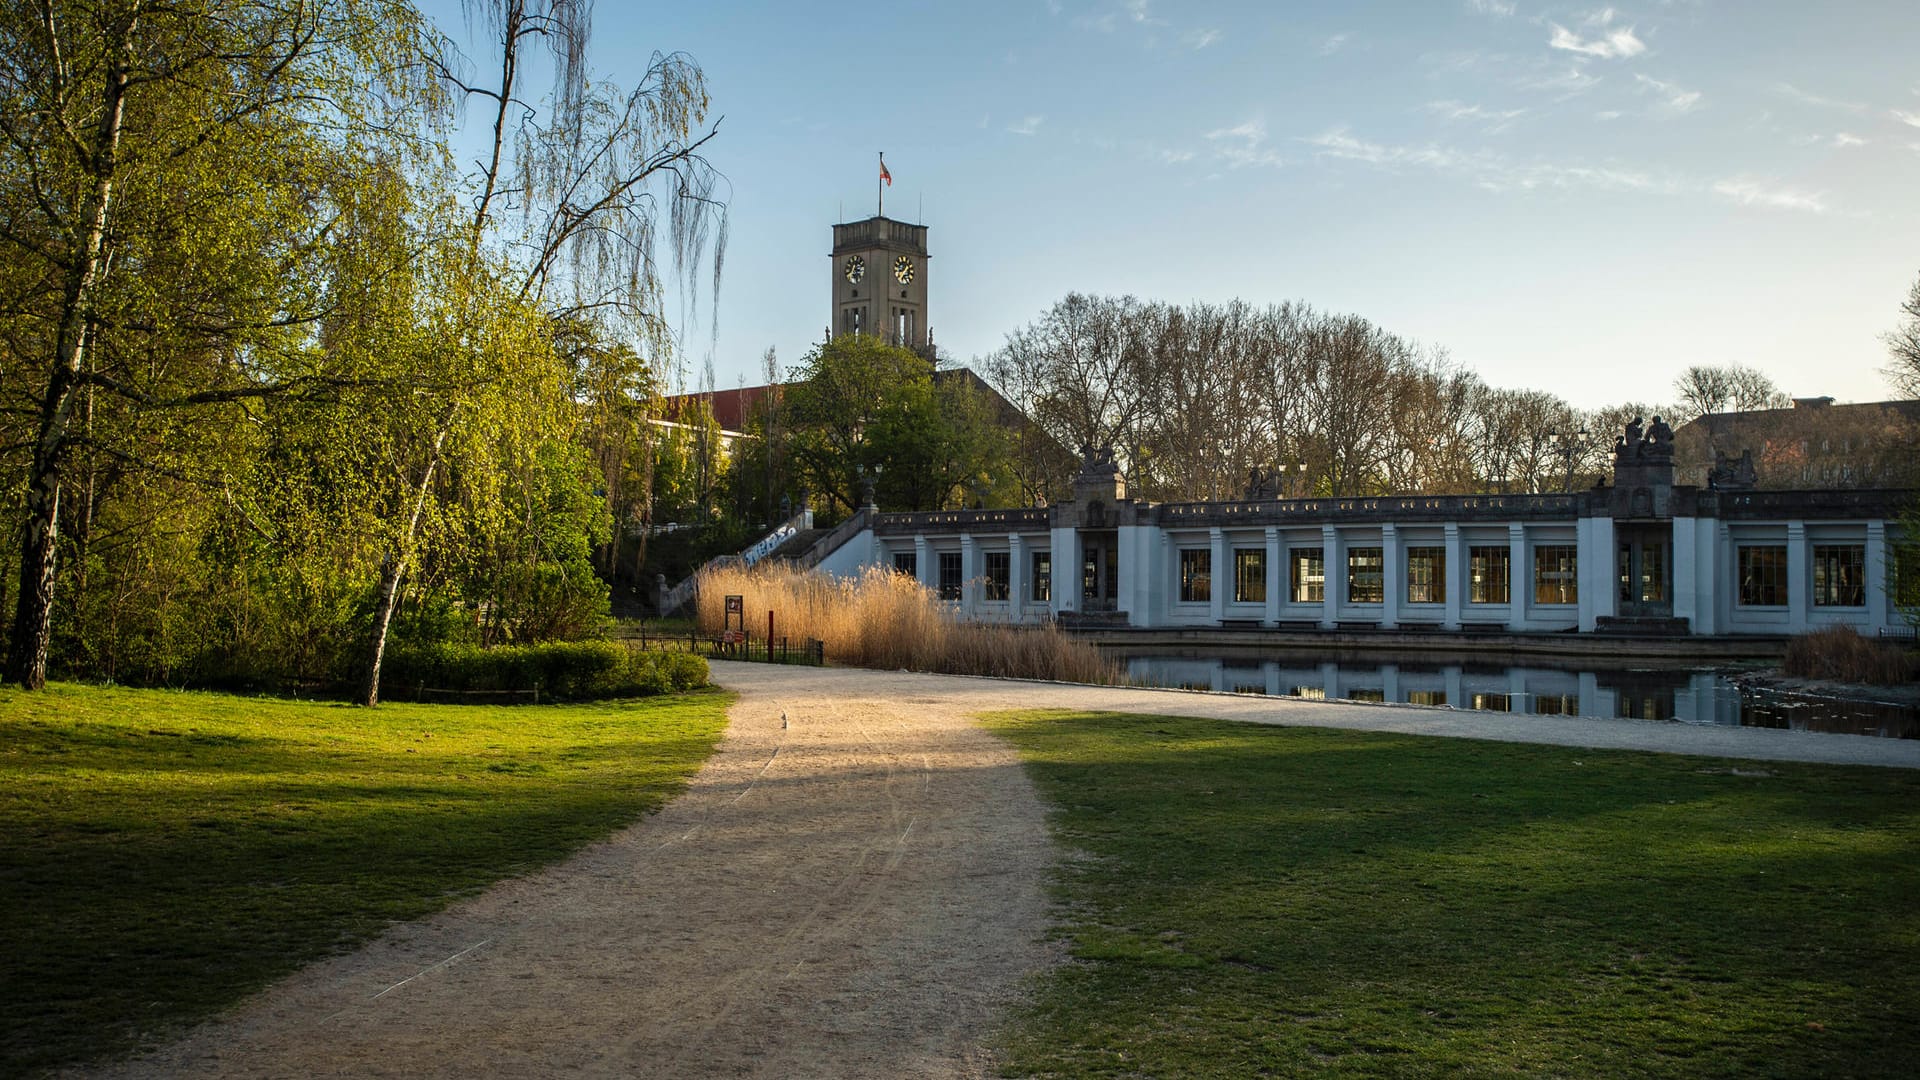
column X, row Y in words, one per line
column 1839, row 653
column 882, row 619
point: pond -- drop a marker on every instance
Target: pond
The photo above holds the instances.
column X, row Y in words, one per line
column 1692, row 695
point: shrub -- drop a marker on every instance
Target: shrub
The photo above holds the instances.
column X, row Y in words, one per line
column 882, row 619
column 560, row 670
column 1839, row 653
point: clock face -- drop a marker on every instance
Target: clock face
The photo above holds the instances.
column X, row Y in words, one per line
column 856, row 269
column 903, row 270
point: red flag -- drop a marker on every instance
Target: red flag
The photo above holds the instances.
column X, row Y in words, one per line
column 884, row 174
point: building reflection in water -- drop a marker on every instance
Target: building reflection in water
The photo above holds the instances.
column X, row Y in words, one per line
column 1692, row 697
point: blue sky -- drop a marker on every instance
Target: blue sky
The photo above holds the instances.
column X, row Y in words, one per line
column 1571, row 197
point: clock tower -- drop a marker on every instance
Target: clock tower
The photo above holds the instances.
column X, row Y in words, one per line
column 880, row 282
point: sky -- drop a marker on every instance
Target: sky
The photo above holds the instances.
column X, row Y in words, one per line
column 1567, row 197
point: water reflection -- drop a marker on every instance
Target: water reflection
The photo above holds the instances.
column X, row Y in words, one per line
column 1689, row 696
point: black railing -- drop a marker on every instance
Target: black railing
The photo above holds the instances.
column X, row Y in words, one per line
column 738, row 645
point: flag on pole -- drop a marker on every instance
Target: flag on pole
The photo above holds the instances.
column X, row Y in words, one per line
column 885, row 176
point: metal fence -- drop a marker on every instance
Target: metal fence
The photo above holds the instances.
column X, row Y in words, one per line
column 738, row 645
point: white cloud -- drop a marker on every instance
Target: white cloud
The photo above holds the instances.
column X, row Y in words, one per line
column 1673, row 97
column 1575, row 81
column 1494, row 120
column 1332, row 45
column 1845, row 139
column 1907, row 118
column 1243, row 144
column 1493, row 171
column 1499, row 9
column 1749, row 192
column 1200, row 39
column 1176, row 157
column 1253, row 132
column 1027, row 126
column 1797, row 94
column 1609, row 45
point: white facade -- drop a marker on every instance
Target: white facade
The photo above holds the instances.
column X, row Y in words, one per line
column 1717, row 564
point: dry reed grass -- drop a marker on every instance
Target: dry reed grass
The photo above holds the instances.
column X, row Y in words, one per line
column 882, row 619
column 1839, row 653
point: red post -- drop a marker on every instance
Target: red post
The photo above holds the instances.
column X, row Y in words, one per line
column 769, row 636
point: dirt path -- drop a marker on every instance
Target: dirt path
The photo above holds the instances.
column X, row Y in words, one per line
column 856, row 893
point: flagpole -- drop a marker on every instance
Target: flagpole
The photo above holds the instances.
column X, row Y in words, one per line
column 880, row 186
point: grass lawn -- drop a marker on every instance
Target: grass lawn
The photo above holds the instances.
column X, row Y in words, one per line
column 1249, row 901
column 164, row 854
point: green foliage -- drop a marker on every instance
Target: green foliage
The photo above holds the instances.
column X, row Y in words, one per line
column 566, row 671
column 857, row 403
column 1251, row 900
column 167, row 854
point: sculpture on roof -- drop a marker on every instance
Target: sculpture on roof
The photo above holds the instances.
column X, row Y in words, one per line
column 1656, row 444
column 1733, row 474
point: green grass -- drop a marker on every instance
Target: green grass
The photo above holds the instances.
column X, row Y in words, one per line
column 1252, row 901
column 164, row 854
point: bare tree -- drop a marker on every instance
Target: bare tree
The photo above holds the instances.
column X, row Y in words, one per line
column 1704, row 389
column 1903, row 346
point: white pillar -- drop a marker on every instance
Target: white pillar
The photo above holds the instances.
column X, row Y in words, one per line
column 1066, row 570
column 1519, row 575
column 1019, row 574
column 970, row 575
column 1597, row 570
column 923, row 569
column 1274, row 580
column 1691, row 592
column 1219, row 575
column 1878, row 602
column 1456, row 571
column 1333, row 559
column 1392, row 580
column 1799, row 578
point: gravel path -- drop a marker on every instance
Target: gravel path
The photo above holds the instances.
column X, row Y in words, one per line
column 856, row 890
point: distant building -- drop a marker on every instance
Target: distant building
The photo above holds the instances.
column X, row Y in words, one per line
column 1815, row 444
column 1643, row 556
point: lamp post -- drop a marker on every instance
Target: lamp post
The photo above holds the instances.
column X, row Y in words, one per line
column 1299, row 469
column 1568, row 446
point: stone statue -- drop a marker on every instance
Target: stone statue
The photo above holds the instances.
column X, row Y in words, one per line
column 1262, row 484
column 1731, row 474
column 1630, row 446
column 1659, row 439
column 1098, row 461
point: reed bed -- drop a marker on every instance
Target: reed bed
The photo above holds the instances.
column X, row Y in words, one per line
column 882, row 619
column 1841, row 654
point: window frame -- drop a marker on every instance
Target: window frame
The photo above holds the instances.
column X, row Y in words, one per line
column 1250, row 588
column 1367, row 584
column 1556, row 574
column 1196, row 575
column 1307, row 571
column 997, row 588
column 1482, row 560
column 1434, row 571
column 1040, row 584
column 907, row 563
column 1851, row 588
column 950, row 587
column 1751, row 592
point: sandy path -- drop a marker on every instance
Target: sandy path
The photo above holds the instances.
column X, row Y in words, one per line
column 856, row 894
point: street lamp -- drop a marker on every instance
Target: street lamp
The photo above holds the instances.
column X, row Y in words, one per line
column 1568, row 446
